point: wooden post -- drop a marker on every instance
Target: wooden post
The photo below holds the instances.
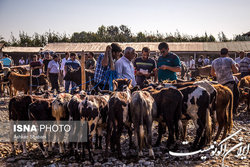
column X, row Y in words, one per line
column 30, row 76
column 83, row 70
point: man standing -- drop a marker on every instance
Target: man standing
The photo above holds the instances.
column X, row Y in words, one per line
column 223, row 69
column 206, row 61
column 46, row 61
column 21, row 61
column 238, row 59
column 35, row 65
column 62, row 70
column 103, row 64
column 245, row 66
column 124, row 67
column 90, row 63
column 53, row 73
column 168, row 64
column 145, row 67
column 191, row 63
column 6, row 61
column 200, row 61
column 72, row 63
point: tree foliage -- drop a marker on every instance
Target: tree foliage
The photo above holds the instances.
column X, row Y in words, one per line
column 112, row 33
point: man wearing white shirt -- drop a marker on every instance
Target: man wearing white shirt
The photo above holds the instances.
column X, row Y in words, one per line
column 191, row 63
column 124, row 67
column 53, row 73
column 21, row 61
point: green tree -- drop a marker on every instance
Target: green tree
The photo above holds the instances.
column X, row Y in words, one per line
column 222, row 37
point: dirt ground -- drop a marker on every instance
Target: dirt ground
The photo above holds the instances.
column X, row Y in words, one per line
column 163, row 158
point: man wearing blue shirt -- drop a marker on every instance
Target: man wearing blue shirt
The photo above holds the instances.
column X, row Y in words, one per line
column 71, row 63
column 168, row 64
column 6, row 61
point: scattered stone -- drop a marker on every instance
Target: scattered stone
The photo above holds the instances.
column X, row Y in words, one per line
column 147, row 163
column 86, row 163
column 141, row 161
column 10, row 160
column 108, row 163
column 97, row 164
column 22, row 162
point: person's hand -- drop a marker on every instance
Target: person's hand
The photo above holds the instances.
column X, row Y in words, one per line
column 163, row 67
column 138, row 73
column 108, row 48
column 147, row 75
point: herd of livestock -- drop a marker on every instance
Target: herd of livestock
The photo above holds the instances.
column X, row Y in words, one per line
column 171, row 104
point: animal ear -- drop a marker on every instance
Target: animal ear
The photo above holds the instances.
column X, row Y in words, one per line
column 115, row 84
column 129, row 82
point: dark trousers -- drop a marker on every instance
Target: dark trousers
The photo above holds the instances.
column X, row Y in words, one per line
column 53, row 77
column 236, row 94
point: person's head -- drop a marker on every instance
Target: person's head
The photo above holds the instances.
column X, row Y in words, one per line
column 38, row 56
column 201, row 57
column 248, row 54
column 191, row 57
column 66, row 55
column 22, row 58
column 224, row 52
column 164, row 48
column 242, row 54
column 145, row 53
column 55, row 58
column 129, row 53
column 91, row 55
column 5, row 56
column 72, row 56
column 34, row 58
column 47, row 55
column 116, row 50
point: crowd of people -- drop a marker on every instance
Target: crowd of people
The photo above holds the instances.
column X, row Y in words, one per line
column 128, row 65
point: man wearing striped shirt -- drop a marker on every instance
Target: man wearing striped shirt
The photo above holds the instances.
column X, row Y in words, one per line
column 145, row 67
column 245, row 66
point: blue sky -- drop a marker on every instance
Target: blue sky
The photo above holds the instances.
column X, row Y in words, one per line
column 67, row 16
